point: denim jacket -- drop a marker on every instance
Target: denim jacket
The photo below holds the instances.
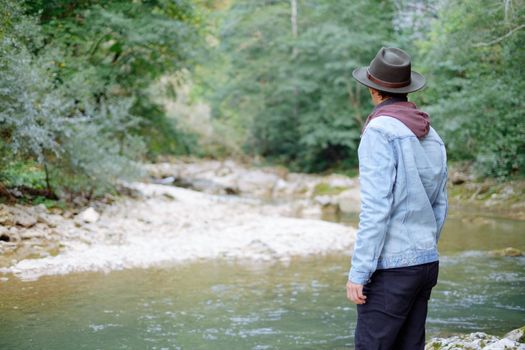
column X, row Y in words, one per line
column 403, row 198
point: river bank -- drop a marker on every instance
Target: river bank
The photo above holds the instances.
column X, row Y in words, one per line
column 195, row 203
column 514, row 340
column 226, row 211
column 332, row 192
column 162, row 225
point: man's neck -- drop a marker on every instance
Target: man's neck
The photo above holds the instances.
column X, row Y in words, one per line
column 390, row 100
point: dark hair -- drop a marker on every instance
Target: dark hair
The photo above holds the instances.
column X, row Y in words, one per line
column 385, row 94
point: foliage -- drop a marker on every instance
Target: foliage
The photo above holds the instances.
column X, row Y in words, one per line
column 74, row 86
column 76, row 80
column 291, row 98
column 473, row 59
column 27, row 174
column 294, row 94
column 25, row 105
column 119, row 48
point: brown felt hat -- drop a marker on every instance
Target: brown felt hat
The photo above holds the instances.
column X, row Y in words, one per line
column 390, row 71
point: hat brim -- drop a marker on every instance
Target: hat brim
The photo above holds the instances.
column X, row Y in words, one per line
column 417, row 82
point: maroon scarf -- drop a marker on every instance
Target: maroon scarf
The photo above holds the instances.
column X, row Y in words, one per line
column 406, row 112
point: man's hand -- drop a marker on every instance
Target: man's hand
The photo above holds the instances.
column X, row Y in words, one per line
column 354, row 292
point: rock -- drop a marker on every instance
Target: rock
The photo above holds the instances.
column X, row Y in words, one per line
column 33, row 233
column 205, row 185
column 16, row 192
column 311, row 211
column 228, row 184
column 166, row 180
column 257, row 182
column 281, row 185
column 24, row 219
column 45, row 219
column 161, row 170
column 8, row 247
column 516, row 335
column 40, row 209
column 9, row 236
column 349, row 201
column 505, row 344
column 324, row 200
column 294, row 185
column 339, row 181
column 6, row 218
column 5, row 261
column 457, row 178
column 89, row 215
column 509, row 251
column 169, row 196
column 479, row 340
column 471, row 341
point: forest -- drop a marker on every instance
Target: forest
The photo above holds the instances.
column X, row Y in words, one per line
column 90, row 89
column 183, row 174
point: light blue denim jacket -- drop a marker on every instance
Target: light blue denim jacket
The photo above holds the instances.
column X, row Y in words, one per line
column 403, row 198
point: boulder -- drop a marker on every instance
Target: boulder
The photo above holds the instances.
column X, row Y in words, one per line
column 479, row 340
column 516, row 335
column 324, row 200
column 505, row 344
column 339, row 181
column 509, row 251
column 9, row 235
column 6, row 218
column 257, row 182
column 24, row 219
column 33, row 233
column 46, row 219
column 89, row 215
column 228, row 184
column 349, row 201
column 457, row 177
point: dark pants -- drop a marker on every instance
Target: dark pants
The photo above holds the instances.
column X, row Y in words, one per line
column 395, row 311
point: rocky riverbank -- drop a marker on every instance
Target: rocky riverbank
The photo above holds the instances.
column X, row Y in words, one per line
column 219, row 196
column 335, row 193
column 306, row 194
column 161, row 225
column 191, row 210
column 514, row 340
column 486, row 195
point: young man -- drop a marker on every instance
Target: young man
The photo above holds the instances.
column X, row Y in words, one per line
column 403, row 177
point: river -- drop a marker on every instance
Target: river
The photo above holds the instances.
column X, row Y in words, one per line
column 298, row 304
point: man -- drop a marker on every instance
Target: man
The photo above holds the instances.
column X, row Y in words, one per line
column 403, row 177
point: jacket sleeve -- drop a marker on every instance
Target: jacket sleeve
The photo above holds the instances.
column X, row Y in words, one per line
column 377, row 173
column 440, row 205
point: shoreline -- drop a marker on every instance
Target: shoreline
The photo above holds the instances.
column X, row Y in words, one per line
column 172, row 225
column 199, row 209
column 272, row 217
column 513, row 340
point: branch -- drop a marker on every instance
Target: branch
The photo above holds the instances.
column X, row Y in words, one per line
column 497, row 40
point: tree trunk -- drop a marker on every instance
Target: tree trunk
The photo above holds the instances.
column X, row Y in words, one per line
column 293, row 19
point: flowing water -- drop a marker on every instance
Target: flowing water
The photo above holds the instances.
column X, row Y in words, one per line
column 242, row 305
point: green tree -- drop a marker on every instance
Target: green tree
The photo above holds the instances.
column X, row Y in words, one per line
column 288, row 76
column 118, row 49
column 473, row 58
column 74, row 86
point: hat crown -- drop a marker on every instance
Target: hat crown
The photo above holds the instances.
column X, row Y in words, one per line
column 391, row 65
